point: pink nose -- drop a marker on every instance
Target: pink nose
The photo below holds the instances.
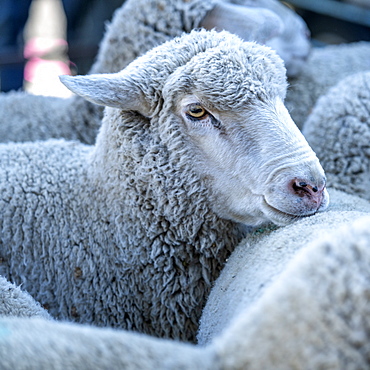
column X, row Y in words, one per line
column 311, row 192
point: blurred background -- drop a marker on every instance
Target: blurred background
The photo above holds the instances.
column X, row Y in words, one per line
column 41, row 39
column 335, row 21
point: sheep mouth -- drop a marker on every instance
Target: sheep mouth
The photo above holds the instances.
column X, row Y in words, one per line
column 283, row 218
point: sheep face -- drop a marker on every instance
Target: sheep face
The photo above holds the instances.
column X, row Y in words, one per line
column 258, row 165
column 227, row 103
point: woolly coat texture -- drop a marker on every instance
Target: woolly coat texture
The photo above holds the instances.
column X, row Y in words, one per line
column 27, row 117
column 124, row 233
column 338, row 129
column 325, row 67
column 307, row 309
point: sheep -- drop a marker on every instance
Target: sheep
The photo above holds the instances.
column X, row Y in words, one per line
column 307, row 309
column 195, row 144
column 324, row 68
column 137, row 26
column 338, row 131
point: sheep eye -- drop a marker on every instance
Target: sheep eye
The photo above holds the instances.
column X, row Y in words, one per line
column 197, row 111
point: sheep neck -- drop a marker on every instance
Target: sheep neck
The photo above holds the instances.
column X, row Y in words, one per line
column 162, row 216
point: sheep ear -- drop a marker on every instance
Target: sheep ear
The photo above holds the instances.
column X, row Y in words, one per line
column 112, row 90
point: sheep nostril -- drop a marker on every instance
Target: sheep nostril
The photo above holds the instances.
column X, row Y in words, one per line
column 299, row 187
column 303, row 188
column 307, row 194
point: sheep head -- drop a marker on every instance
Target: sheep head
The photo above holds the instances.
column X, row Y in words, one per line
column 225, row 98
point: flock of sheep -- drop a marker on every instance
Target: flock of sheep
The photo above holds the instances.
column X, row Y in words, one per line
column 152, row 200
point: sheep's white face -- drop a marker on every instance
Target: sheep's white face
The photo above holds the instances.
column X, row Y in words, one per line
column 259, row 164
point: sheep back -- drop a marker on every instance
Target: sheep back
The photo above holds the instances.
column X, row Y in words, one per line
column 338, row 131
column 27, row 117
column 141, row 25
column 72, row 346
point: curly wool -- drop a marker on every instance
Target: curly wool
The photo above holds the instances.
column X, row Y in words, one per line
column 338, row 130
column 325, row 67
column 124, row 234
column 142, row 257
column 303, row 309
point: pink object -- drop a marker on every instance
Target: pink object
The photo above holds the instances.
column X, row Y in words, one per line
column 39, row 67
column 39, row 46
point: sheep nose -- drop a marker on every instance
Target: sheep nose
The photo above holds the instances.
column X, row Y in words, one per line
column 311, row 191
